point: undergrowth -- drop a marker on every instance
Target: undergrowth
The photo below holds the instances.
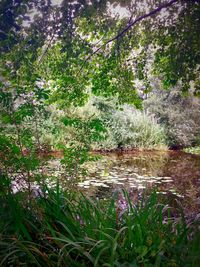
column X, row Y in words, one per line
column 69, row 230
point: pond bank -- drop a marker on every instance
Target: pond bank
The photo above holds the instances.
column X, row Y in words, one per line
column 59, row 153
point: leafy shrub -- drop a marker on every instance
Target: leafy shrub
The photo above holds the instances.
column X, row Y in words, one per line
column 53, row 132
column 125, row 127
column 130, row 128
column 178, row 114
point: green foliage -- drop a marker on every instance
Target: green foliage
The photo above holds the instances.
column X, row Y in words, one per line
column 104, row 124
column 178, row 60
column 65, row 228
column 51, row 61
column 178, row 114
column 129, row 128
column 193, row 150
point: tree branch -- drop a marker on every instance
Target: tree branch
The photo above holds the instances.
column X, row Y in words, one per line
column 151, row 13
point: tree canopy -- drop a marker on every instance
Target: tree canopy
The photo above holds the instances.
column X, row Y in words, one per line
column 76, row 45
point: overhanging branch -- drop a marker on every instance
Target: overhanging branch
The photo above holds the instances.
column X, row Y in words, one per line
column 151, row 13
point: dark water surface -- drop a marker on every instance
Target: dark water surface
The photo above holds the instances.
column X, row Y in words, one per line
column 173, row 173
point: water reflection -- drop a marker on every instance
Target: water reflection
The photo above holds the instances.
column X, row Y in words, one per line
column 172, row 173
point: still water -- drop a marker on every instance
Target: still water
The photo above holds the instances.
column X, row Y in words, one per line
column 172, row 173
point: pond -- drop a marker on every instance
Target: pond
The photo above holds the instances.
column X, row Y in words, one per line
column 173, row 173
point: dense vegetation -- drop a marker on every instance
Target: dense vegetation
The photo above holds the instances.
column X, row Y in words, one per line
column 74, row 76
column 65, row 231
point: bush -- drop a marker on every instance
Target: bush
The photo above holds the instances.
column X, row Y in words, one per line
column 54, row 131
column 178, row 114
column 125, row 127
column 130, row 128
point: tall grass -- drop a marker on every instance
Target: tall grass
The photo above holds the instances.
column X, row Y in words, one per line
column 67, row 230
